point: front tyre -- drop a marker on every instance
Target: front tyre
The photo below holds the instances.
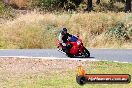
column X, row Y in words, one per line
column 86, row 53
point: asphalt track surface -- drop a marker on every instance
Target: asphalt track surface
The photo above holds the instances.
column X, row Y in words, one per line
column 120, row 55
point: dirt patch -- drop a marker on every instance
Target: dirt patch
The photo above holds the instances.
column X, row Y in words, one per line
column 28, row 65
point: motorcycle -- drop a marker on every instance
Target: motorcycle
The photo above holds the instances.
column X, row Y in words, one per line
column 75, row 47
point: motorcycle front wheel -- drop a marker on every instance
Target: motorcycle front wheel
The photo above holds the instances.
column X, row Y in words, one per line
column 86, row 53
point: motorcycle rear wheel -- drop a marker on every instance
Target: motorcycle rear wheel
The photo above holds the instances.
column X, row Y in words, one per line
column 69, row 55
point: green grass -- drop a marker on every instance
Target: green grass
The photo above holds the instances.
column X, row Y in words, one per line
column 2, row 8
column 67, row 79
column 6, row 12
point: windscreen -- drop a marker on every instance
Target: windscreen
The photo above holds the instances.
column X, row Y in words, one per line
column 73, row 38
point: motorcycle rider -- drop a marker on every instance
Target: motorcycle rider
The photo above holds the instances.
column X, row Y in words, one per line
column 63, row 38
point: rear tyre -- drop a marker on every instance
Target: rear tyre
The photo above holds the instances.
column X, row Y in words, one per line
column 69, row 55
column 68, row 52
column 86, row 53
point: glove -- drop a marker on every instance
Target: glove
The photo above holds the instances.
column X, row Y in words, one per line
column 63, row 44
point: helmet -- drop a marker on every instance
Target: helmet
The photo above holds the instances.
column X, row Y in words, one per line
column 63, row 31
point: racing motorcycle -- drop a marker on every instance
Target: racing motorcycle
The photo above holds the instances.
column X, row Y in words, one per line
column 75, row 47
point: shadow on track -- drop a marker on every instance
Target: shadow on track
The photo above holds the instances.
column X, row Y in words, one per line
column 82, row 57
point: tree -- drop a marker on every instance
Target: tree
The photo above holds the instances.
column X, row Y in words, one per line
column 97, row 2
column 128, row 6
column 89, row 5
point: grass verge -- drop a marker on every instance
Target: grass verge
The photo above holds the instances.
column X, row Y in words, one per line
column 37, row 30
column 43, row 73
